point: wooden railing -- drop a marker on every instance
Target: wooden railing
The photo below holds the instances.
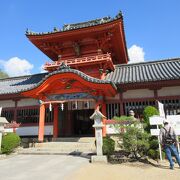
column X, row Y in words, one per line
column 80, row 61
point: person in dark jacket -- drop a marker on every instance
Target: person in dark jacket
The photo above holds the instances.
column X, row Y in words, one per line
column 168, row 140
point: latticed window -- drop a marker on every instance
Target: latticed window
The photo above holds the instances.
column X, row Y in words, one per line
column 28, row 115
column 171, row 106
column 137, row 107
column 8, row 113
column 112, row 109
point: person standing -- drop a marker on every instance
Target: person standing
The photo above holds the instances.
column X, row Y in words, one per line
column 168, row 140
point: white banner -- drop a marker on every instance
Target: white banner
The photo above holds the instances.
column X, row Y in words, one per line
column 155, row 132
column 156, row 120
column 0, row 110
column 161, row 109
column 174, row 121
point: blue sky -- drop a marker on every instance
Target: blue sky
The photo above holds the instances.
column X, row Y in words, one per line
column 152, row 27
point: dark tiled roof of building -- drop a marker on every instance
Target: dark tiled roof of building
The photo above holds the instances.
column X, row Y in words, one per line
column 146, row 72
column 68, row 27
column 18, row 84
column 25, row 83
column 123, row 74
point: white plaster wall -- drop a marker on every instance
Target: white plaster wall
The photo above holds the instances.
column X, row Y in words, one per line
column 8, row 130
column 31, row 130
column 169, row 91
column 138, row 93
column 7, row 103
column 27, row 102
column 116, row 97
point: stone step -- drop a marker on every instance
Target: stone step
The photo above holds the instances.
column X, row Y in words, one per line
column 66, row 148
column 74, row 139
column 55, row 152
column 60, row 148
column 64, row 144
column 85, row 155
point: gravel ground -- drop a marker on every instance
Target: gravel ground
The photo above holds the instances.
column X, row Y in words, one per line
column 126, row 171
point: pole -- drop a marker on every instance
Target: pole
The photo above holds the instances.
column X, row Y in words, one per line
column 178, row 145
column 160, row 153
column 0, row 140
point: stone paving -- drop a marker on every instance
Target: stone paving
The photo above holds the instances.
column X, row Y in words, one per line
column 40, row 167
column 66, row 167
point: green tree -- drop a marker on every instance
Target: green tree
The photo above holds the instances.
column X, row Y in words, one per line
column 108, row 146
column 147, row 113
column 3, row 74
column 135, row 141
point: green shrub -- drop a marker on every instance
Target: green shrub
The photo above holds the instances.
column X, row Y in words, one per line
column 9, row 143
column 154, row 154
column 108, row 146
column 136, row 141
column 147, row 113
column 153, row 151
column 154, row 144
column 123, row 118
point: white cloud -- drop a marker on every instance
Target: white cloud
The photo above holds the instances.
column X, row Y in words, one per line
column 136, row 54
column 16, row 66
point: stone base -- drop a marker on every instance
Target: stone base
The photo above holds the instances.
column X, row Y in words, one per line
column 99, row 159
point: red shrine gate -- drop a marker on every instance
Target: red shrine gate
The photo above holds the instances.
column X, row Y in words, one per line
column 82, row 54
column 69, row 85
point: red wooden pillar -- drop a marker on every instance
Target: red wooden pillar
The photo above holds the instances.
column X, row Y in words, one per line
column 15, row 115
column 55, row 122
column 15, row 111
column 121, row 104
column 103, row 109
column 69, row 122
column 41, row 123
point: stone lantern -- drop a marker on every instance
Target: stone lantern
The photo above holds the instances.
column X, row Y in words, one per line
column 131, row 113
column 98, row 125
column 3, row 121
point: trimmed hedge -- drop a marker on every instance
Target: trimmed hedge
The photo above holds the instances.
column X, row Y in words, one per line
column 108, row 146
column 9, row 143
column 147, row 113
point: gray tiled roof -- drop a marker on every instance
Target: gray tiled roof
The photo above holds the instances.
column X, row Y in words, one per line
column 146, row 72
column 123, row 74
column 18, row 84
column 74, row 26
column 25, row 83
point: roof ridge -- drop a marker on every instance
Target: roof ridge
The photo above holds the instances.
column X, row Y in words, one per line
column 75, row 71
column 150, row 62
column 74, row 26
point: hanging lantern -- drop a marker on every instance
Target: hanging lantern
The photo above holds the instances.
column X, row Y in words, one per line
column 76, row 105
column 86, row 105
column 50, row 107
column 62, row 106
